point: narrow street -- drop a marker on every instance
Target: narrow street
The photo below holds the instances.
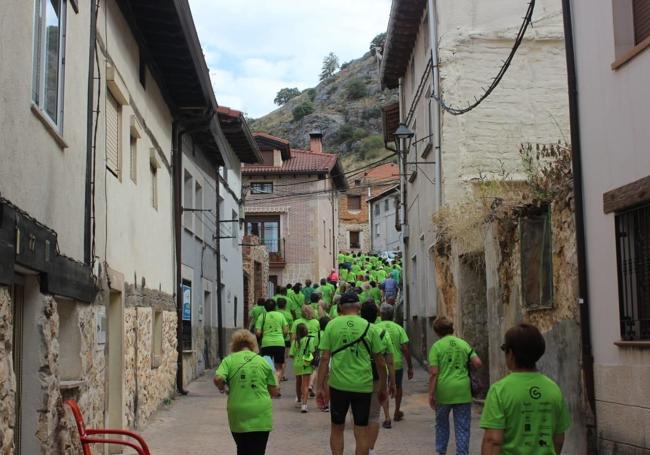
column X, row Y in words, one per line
column 198, row 424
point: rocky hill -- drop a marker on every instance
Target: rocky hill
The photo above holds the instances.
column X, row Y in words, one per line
column 346, row 109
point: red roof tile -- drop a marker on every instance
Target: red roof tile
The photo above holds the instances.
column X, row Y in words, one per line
column 383, row 172
column 301, row 161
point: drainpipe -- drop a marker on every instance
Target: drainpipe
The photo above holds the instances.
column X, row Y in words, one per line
column 334, row 228
column 370, row 219
column 218, row 252
column 177, row 166
column 433, row 37
column 89, row 137
column 583, row 283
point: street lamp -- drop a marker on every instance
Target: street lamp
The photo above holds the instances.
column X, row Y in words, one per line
column 403, row 136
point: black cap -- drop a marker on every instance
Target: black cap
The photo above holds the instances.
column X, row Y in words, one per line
column 349, row 297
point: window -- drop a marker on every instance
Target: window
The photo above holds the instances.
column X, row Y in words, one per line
column 377, row 209
column 386, row 205
column 156, row 338
column 355, row 240
column 536, row 260
column 262, row 188
column 49, row 58
column 153, row 170
column 113, row 135
column 354, row 202
column 188, row 204
column 186, row 327
column 268, row 230
column 377, row 230
column 357, row 182
column 641, row 13
column 198, row 206
column 134, row 159
column 633, row 259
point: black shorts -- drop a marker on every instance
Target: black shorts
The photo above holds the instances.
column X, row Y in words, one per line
column 399, row 377
column 275, row 352
column 341, row 401
column 287, row 343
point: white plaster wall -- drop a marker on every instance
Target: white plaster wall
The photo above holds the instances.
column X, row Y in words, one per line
column 35, row 173
column 135, row 238
column 389, row 239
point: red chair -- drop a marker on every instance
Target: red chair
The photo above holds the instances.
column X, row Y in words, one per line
column 85, row 434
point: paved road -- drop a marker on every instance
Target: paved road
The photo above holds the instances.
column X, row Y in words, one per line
column 197, row 424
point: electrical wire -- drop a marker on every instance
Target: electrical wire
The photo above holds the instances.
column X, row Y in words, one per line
column 312, row 193
column 504, row 68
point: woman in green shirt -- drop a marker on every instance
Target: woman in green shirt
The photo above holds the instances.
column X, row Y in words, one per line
column 271, row 328
column 449, row 385
column 302, row 352
column 251, row 383
column 525, row 413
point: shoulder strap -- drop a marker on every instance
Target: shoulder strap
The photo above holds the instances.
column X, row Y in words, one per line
column 352, row 343
column 262, row 327
column 382, row 334
column 309, row 337
column 240, row 367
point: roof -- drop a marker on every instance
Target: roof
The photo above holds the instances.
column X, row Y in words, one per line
column 266, row 142
column 235, row 128
column 170, row 47
column 391, row 190
column 403, row 27
column 300, row 162
column 384, row 172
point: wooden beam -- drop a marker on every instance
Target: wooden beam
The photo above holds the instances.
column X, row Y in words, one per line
column 627, row 196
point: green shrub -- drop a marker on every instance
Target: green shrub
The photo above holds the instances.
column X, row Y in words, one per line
column 356, row 89
column 348, row 133
column 303, row 109
column 311, row 93
column 371, row 146
column 370, row 113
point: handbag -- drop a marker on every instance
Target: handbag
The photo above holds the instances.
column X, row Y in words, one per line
column 474, row 381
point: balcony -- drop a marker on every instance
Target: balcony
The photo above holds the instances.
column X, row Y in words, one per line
column 276, row 248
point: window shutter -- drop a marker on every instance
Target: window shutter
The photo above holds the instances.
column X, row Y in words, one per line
column 112, row 135
column 641, row 13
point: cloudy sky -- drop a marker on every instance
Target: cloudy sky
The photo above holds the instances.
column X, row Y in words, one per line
column 256, row 47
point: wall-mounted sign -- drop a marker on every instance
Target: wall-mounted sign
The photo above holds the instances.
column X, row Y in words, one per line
column 187, row 302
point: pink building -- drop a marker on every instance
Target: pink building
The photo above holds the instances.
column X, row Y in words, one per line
column 291, row 204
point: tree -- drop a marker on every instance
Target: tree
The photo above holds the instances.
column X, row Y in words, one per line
column 303, row 109
column 330, row 65
column 377, row 43
column 285, row 94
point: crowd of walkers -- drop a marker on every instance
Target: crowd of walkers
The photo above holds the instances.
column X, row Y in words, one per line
column 350, row 354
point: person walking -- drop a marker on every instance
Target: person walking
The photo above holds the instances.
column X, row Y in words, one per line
column 390, row 288
column 350, row 344
column 449, row 385
column 272, row 328
column 401, row 351
column 303, row 351
column 525, row 413
column 251, row 383
column 256, row 312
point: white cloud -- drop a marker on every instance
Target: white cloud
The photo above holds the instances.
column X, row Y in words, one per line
column 256, row 47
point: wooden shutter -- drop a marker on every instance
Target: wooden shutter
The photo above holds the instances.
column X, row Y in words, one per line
column 641, row 11
column 113, row 120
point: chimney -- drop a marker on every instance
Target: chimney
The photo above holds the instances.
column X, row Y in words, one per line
column 316, row 141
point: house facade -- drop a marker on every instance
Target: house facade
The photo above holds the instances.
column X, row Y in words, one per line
column 615, row 188
column 354, row 216
column 291, row 205
column 384, row 221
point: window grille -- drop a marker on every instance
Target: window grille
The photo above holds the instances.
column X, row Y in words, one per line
column 641, row 13
column 113, row 132
column 633, row 260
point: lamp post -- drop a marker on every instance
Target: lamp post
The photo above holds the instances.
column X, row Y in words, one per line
column 403, row 137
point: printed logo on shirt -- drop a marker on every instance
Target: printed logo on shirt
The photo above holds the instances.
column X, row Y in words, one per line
column 535, row 393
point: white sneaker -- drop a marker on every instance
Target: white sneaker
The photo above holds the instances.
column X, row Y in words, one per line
column 303, row 408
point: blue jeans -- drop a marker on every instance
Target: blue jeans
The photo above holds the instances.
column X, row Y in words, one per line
column 462, row 421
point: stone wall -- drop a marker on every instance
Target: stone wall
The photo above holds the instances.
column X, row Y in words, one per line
column 257, row 282
column 364, row 236
column 7, row 377
column 559, row 324
column 147, row 386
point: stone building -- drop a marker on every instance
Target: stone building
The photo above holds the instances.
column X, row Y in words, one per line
column 256, row 273
column 291, row 205
column 611, row 112
column 384, row 221
column 354, row 227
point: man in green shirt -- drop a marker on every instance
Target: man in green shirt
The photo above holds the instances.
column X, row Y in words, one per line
column 449, row 385
column 350, row 344
column 327, row 291
column 272, row 328
column 400, row 341
column 525, row 413
column 256, row 312
column 298, row 299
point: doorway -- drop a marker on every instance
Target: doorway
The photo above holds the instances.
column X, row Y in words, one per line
column 115, row 365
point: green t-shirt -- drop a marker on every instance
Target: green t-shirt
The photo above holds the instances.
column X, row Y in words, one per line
column 398, row 337
column 297, row 302
column 256, row 312
column 386, row 341
column 376, row 295
column 530, row 408
column 313, row 326
column 334, row 311
column 288, row 317
column 351, row 368
column 303, row 354
column 450, row 354
column 327, row 291
column 249, row 404
column 272, row 332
